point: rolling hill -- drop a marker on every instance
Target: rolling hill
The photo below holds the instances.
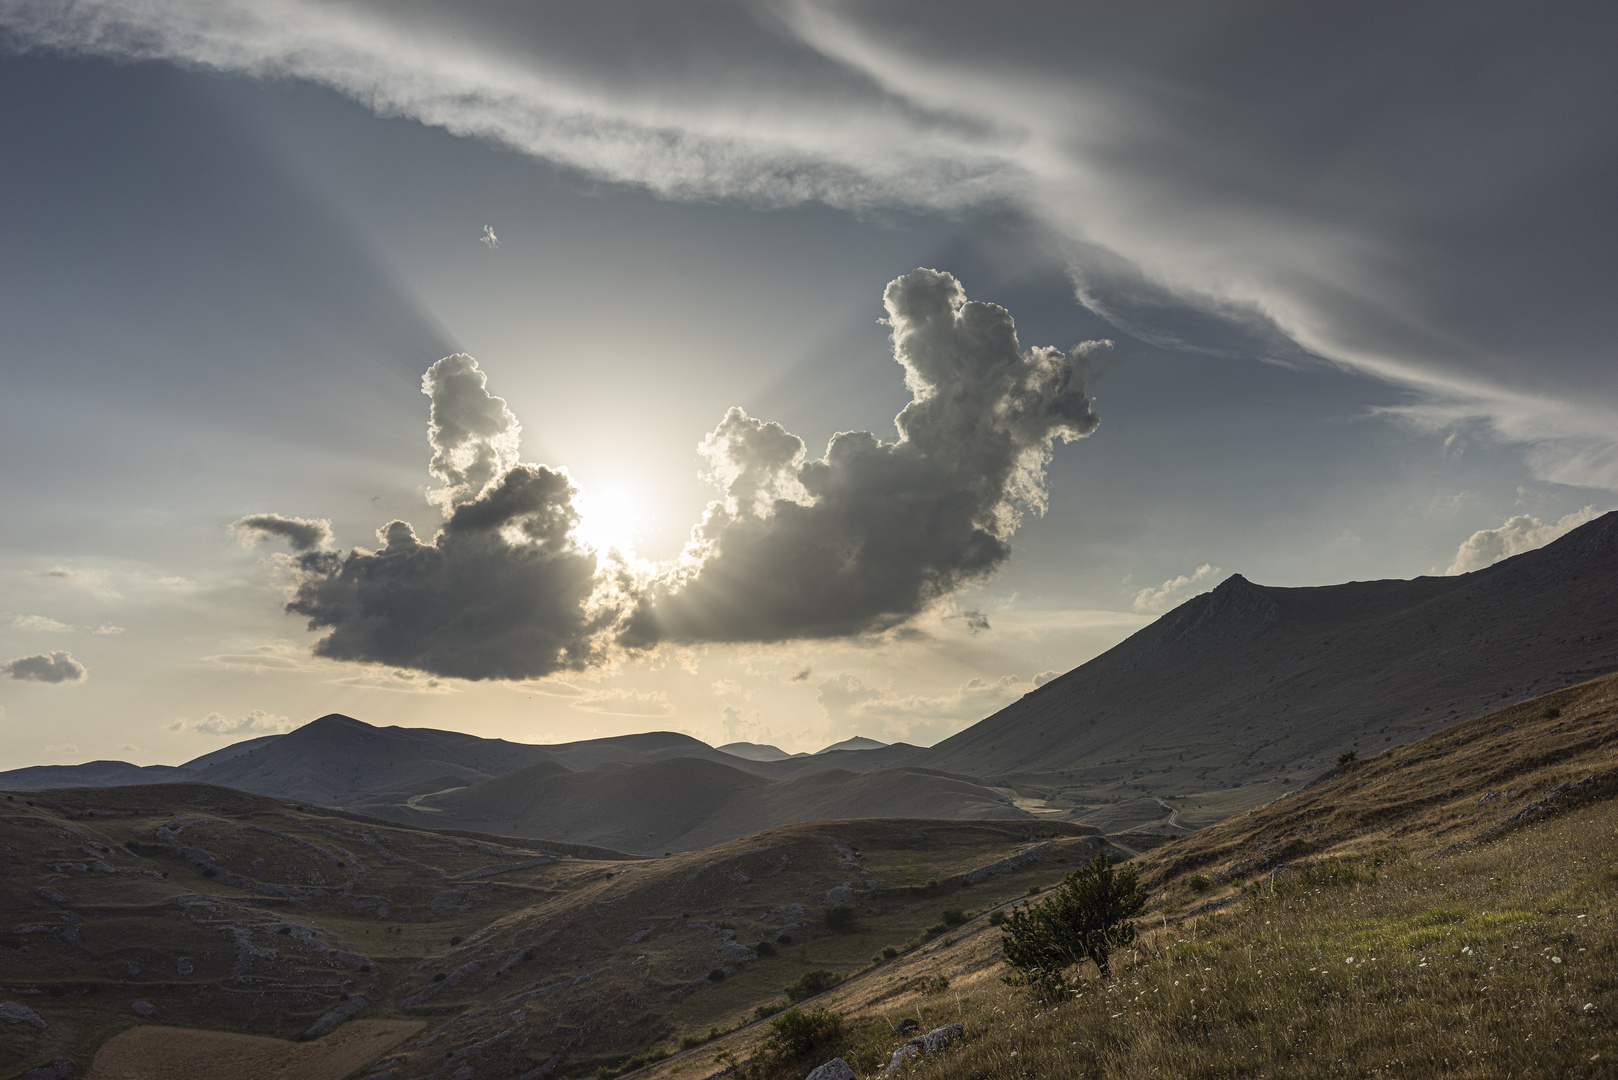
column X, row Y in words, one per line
column 681, row 804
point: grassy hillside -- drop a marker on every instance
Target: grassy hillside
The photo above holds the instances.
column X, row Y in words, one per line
column 684, row 804
column 1447, row 908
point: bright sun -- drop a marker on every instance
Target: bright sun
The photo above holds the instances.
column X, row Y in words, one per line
column 610, row 517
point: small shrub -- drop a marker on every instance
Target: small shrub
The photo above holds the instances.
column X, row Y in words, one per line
column 1033, row 890
column 1347, row 757
column 1088, row 916
column 768, row 1009
column 716, row 974
column 840, row 916
column 931, row 984
column 798, row 1034
column 1551, row 712
column 952, row 916
column 934, row 930
column 996, row 917
column 783, row 939
column 1199, row 883
column 764, row 948
column 456, row 940
column 932, row 883
column 527, row 955
column 815, row 982
column 889, row 952
column 438, row 977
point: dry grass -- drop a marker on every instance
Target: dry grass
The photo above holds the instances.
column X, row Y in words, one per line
column 1500, row 962
column 168, row 1053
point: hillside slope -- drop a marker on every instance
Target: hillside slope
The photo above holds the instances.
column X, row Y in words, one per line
column 682, row 804
column 1250, row 683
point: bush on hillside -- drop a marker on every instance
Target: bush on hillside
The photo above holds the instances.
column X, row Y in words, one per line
column 1085, row 918
column 797, row 1034
column 840, row 916
column 815, row 982
column 1347, row 757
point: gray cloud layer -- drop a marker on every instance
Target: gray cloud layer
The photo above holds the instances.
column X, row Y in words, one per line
column 302, row 534
column 1341, row 181
column 53, row 667
column 870, row 534
column 861, row 539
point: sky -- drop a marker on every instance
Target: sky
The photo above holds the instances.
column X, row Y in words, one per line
column 776, row 371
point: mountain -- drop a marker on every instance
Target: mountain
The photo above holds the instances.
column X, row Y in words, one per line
column 858, row 742
column 1251, row 683
column 90, row 774
column 681, row 804
column 752, row 751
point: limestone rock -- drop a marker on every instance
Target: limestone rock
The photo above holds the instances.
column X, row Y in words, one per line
column 835, row 1069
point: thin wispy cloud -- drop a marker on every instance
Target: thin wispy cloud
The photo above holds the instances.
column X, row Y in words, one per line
column 1163, row 153
column 488, row 239
column 40, row 624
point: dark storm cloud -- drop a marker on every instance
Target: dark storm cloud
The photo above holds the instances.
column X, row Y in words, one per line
column 54, row 667
column 501, row 592
column 302, row 534
column 873, row 532
column 1422, row 198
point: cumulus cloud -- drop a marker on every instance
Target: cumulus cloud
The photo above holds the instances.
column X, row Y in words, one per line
column 303, row 534
column 53, row 667
column 257, row 722
column 1519, row 534
column 106, row 629
column 1159, row 597
column 873, row 532
column 861, row 539
column 502, row 591
column 488, row 239
column 40, row 623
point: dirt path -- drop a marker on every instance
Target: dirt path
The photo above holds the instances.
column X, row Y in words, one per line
column 414, row 802
column 1174, row 817
column 170, row 1053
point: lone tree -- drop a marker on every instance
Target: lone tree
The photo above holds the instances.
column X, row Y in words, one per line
column 1085, row 918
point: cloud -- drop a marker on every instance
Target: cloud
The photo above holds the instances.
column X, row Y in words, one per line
column 257, row 722
column 488, row 239
column 1046, row 676
column 802, row 675
column 502, row 591
column 1178, row 164
column 872, row 533
column 86, row 579
column 302, row 534
column 40, row 623
column 976, row 620
column 625, row 703
column 54, row 667
column 106, row 629
column 1519, row 534
column 862, row 539
column 1158, row 598
column 62, row 748
column 260, row 659
column 851, row 704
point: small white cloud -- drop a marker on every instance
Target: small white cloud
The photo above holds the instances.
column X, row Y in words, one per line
column 1158, row 599
column 131, row 748
column 1519, row 534
column 488, row 239
column 257, row 722
column 55, row 667
column 62, row 748
column 398, row 680
column 40, row 623
column 106, row 629
column 1046, row 676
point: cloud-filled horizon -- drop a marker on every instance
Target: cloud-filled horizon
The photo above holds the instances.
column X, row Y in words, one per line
column 857, row 541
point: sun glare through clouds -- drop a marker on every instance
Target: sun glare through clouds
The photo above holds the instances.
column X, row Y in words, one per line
column 611, row 516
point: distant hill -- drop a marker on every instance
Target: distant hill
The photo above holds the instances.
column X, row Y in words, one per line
column 685, row 803
column 858, row 742
column 752, row 751
column 1251, row 683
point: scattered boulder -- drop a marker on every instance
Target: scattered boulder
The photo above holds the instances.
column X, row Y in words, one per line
column 131, row 970
column 52, row 896
column 835, row 1069
column 59, row 1069
column 13, row 1013
column 143, row 1008
column 930, row 1043
column 183, row 966
column 907, row 1025
column 841, row 894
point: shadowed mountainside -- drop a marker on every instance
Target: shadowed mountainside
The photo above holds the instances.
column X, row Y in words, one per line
column 1249, row 682
column 686, row 803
